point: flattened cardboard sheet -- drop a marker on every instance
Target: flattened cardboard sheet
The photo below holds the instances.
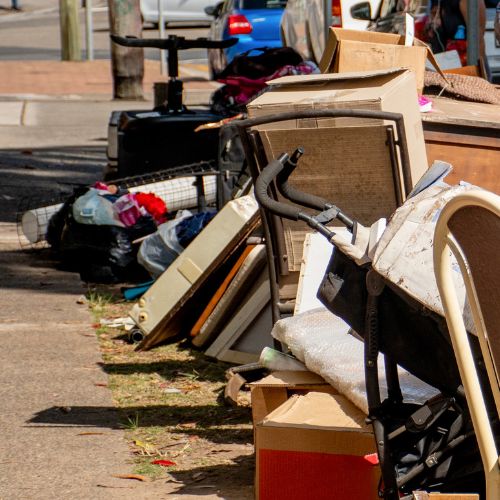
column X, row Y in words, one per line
column 350, row 167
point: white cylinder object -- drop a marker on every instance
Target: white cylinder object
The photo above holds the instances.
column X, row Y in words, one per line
column 176, row 193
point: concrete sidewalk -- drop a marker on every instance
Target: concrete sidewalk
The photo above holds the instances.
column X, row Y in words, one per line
column 61, row 436
column 55, row 103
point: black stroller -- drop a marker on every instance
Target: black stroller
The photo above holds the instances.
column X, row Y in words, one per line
column 428, row 446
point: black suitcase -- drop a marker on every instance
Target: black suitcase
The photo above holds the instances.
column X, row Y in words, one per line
column 156, row 140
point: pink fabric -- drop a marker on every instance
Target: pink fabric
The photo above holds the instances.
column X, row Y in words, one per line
column 128, row 209
column 242, row 89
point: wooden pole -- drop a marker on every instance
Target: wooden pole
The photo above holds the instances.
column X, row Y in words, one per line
column 127, row 63
column 70, row 30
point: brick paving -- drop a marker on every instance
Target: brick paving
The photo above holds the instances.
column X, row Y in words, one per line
column 66, row 78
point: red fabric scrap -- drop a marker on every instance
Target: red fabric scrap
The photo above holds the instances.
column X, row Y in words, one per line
column 164, row 463
column 154, row 205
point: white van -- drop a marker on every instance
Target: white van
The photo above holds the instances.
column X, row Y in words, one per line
column 305, row 23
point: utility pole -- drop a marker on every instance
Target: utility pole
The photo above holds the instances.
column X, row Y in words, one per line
column 70, row 30
column 473, row 32
column 127, row 63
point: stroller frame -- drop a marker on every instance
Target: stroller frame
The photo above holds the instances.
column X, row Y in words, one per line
column 256, row 160
column 273, row 179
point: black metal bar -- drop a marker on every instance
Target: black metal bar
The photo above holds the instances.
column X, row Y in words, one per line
column 394, row 164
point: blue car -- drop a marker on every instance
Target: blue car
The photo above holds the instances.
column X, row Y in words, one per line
column 255, row 23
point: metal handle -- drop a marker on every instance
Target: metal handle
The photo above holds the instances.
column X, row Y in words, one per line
column 173, row 42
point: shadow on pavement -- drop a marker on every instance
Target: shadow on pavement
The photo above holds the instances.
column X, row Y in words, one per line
column 38, row 272
column 207, row 478
column 211, row 422
column 35, row 178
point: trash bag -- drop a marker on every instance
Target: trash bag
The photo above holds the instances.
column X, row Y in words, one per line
column 100, row 253
column 188, row 228
column 104, row 254
column 264, row 63
column 92, row 208
column 159, row 250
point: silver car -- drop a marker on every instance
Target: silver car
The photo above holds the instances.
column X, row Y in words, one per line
column 176, row 10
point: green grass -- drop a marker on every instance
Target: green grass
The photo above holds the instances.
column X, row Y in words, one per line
column 192, row 427
column 99, row 301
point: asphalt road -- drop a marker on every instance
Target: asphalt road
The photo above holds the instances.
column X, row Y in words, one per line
column 18, row 43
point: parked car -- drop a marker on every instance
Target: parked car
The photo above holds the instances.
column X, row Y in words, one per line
column 255, row 23
column 305, row 23
column 176, row 10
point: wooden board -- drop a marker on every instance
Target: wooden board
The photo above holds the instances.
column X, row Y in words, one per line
column 467, row 135
column 233, row 297
column 220, row 291
column 475, row 159
column 246, row 318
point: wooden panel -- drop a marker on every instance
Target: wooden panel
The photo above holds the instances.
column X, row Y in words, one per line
column 474, row 159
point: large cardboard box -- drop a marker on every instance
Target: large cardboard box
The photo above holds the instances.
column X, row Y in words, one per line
column 316, row 446
column 390, row 90
column 347, row 161
column 353, row 50
column 272, row 391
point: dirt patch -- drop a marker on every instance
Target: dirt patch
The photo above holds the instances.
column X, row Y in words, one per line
column 173, row 411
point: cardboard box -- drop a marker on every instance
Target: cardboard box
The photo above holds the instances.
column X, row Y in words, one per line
column 347, row 161
column 353, row 50
column 316, row 446
column 390, row 90
column 272, row 391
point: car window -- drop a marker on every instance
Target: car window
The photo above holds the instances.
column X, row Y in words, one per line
column 263, row 4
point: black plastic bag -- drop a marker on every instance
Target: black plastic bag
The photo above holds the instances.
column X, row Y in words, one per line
column 261, row 64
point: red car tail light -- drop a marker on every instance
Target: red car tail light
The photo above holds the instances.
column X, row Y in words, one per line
column 336, row 14
column 239, row 25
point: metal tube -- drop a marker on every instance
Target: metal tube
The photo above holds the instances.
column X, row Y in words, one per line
column 473, row 32
column 161, row 34
column 89, row 30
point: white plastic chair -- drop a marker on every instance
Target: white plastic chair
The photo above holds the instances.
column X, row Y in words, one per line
column 469, row 226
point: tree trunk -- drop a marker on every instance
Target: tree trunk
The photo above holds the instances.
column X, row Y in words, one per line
column 127, row 63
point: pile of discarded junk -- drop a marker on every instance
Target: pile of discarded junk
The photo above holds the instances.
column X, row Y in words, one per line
column 354, row 289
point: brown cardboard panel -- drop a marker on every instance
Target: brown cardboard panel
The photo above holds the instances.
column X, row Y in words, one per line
column 372, row 56
column 349, row 167
column 391, row 90
column 290, row 378
column 265, row 400
column 317, row 410
column 348, row 50
column 329, row 440
column 272, row 391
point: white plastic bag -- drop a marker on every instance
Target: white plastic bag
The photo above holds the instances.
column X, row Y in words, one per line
column 92, row 208
column 160, row 249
